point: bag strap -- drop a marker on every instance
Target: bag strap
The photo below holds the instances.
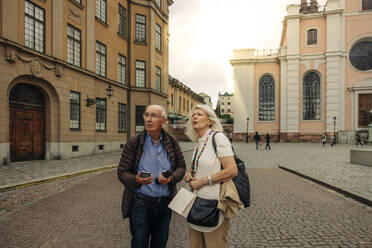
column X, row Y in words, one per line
column 215, row 145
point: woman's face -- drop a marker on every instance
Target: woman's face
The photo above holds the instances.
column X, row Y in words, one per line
column 200, row 120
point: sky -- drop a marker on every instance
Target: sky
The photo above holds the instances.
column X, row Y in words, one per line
column 203, row 34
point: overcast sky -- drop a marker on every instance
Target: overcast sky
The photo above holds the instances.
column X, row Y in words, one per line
column 203, row 34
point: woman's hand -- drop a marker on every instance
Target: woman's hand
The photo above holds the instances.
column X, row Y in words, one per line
column 187, row 178
column 196, row 184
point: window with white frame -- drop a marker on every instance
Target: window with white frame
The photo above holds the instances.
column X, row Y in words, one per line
column 100, row 59
column 312, row 36
column 158, row 2
column 366, row 4
column 140, row 73
column 158, row 78
column 266, row 104
column 140, row 123
column 311, row 97
column 122, row 21
column 34, row 27
column 100, row 114
column 74, row 110
column 158, row 37
column 101, row 10
column 122, row 117
column 140, row 28
column 121, row 69
column 73, row 45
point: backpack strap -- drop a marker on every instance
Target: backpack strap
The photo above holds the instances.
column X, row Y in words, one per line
column 215, row 145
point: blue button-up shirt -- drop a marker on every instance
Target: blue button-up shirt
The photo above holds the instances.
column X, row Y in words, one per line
column 155, row 159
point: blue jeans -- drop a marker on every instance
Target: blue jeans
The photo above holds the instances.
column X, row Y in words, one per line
column 149, row 220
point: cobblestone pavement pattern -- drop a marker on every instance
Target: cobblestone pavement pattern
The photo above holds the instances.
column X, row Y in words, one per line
column 329, row 164
column 286, row 211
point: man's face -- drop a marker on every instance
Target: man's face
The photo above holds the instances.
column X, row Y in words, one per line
column 153, row 119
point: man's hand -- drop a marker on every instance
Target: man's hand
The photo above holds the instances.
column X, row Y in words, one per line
column 143, row 180
column 164, row 180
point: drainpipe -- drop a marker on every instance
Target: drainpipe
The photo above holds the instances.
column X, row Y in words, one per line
column 129, row 46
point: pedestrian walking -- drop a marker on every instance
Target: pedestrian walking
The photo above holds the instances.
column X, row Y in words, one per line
column 358, row 139
column 150, row 166
column 324, row 139
column 208, row 171
column 267, row 137
column 257, row 139
column 230, row 137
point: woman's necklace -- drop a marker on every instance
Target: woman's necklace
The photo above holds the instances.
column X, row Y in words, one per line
column 195, row 161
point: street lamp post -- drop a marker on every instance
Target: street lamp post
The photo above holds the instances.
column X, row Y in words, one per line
column 246, row 136
column 334, row 130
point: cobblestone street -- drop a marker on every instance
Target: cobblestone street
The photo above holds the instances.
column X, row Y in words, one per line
column 286, row 210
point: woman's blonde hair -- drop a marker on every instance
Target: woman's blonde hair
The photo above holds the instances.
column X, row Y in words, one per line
column 216, row 124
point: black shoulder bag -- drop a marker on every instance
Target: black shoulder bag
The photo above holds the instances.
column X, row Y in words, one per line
column 241, row 181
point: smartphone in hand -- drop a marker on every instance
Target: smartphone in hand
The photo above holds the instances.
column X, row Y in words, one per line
column 145, row 174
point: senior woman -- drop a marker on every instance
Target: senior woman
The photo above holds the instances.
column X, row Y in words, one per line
column 205, row 174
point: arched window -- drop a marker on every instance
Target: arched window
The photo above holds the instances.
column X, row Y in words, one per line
column 311, row 97
column 312, row 36
column 266, row 109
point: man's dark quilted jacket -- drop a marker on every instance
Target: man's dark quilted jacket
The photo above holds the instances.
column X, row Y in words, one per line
column 130, row 158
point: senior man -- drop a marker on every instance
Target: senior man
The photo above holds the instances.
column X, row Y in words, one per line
column 150, row 166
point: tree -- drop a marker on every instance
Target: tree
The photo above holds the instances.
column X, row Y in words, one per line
column 218, row 109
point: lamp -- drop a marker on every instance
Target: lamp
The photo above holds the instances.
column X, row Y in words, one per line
column 246, row 136
column 109, row 91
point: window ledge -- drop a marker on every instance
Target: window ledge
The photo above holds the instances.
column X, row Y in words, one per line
column 122, row 36
column 75, row 129
column 142, row 43
column 77, row 4
column 102, row 22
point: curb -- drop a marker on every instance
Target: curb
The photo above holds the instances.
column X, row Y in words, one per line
column 353, row 195
column 53, row 179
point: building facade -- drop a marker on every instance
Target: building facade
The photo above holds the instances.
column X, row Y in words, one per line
column 76, row 75
column 207, row 99
column 226, row 104
column 319, row 80
column 181, row 99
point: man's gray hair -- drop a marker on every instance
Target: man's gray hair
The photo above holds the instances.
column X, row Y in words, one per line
column 216, row 124
column 162, row 109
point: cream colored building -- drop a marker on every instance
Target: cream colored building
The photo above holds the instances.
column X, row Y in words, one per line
column 226, row 104
column 181, row 99
column 319, row 80
column 207, row 99
column 76, row 75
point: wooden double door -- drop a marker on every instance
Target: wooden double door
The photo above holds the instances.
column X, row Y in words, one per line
column 26, row 122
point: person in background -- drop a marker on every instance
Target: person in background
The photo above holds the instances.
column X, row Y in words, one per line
column 208, row 171
column 150, row 166
column 267, row 137
column 358, row 139
column 324, row 139
column 257, row 139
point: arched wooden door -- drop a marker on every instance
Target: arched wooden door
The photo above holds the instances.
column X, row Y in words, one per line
column 26, row 122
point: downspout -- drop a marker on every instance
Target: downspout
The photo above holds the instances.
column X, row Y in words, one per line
column 129, row 46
